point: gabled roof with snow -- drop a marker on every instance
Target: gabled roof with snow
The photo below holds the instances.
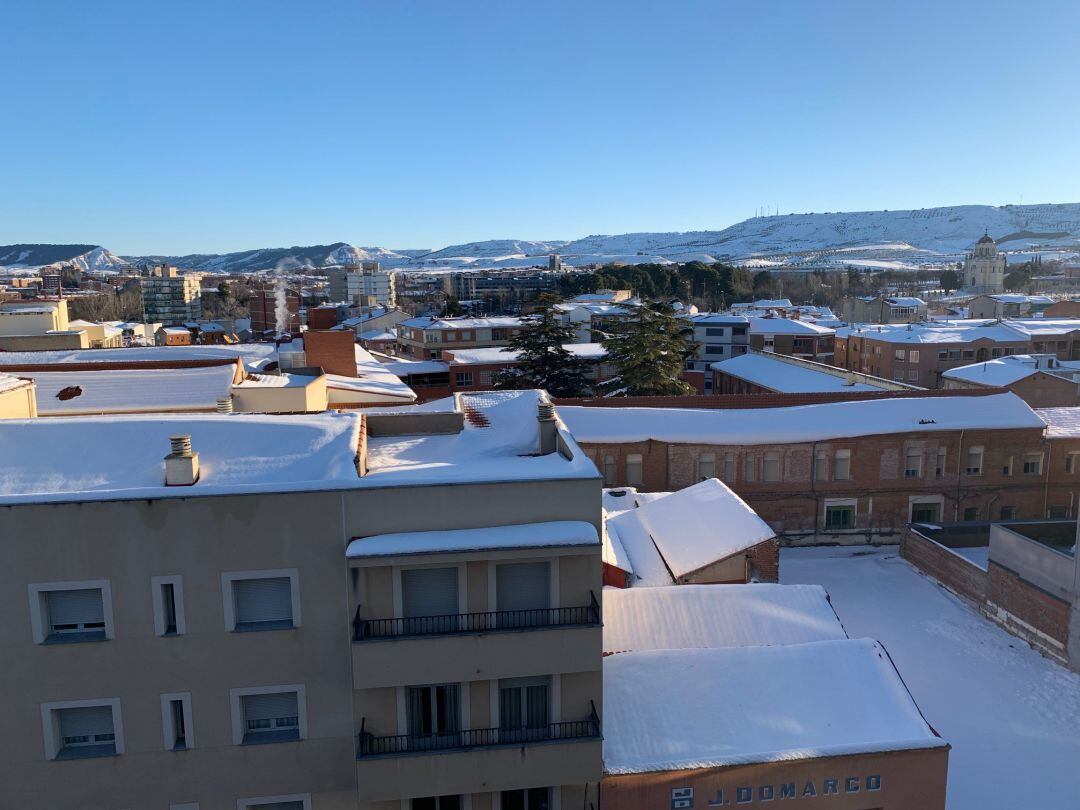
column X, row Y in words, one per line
column 668, row 710
column 999, row 372
column 698, row 526
column 786, row 326
column 553, row 534
column 688, row 616
column 429, row 322
column 130, row 390
column 788, row 378
column 950, row 331
column 9, row 382
column 902, row 301
column 803, row 423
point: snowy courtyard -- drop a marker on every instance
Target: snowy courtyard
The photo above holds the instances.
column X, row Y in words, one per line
column 1012, row 716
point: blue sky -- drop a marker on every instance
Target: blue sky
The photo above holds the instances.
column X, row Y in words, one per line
column 227, row 125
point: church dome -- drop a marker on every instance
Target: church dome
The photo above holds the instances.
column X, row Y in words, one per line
column 986, row 239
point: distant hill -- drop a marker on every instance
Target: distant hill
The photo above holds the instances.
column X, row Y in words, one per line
column 899, row 239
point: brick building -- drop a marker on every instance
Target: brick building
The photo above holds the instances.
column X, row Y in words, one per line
column 1041, row 380
column 424, row 338
column 850, row 471
column 797, row 338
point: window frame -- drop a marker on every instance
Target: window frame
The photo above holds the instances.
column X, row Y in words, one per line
column 706, row 462
column 641, row 469
column 926, row 500
column 771, row 456
column 168, row 730
column 50, row 725
column 39, row 610
column 853, row 503
column 236, row 706
column 1035, row 458
column 844, row 454
column 157, row 585
column 229, row 599
column 253, row 803
column 916, row 471
column 982, row 460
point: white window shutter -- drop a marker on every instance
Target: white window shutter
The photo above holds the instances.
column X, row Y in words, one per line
column 270, row 706
column 79, row 607
column 86, row 721
column 429, row 592
column 523, row 586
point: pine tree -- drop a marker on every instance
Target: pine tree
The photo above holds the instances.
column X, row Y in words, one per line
column 543, row 359
column 649, row 350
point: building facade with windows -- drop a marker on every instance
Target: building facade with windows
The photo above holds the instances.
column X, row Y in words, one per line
column 365, row 284
column 797, row 338
column 426, row 337
column 343, row 629
column 169, row 297
column 717, row 337
column 850, row 471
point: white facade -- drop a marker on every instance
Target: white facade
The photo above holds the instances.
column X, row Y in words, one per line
column 718, row 337
column 365, row 284
column 984, row 267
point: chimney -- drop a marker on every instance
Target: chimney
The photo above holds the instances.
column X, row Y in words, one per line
column 225, row 405
column 182, row 464
column 545, row 417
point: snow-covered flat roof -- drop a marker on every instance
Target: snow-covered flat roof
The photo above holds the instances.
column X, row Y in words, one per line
column 787, row 378
column 670, row 710
column 9, row 382
column 498, row 442
column 687, row 616
column 248, row 352
column 1061, row 423
column 553, row 534
column 122, row 457
column 275, row 381
column 427, row 322
column 498, row 354
column 698, row 526
column 786, row 326
column 803, row 423
column 952, row 331
column 403, row 368
column 130, row 390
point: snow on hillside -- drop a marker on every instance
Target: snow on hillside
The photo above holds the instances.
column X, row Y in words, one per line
column 493, row 248
column 86, row 257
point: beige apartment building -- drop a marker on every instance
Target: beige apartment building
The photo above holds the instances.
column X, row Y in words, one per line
column 316, row 612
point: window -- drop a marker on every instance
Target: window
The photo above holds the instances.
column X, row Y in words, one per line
column 429, row 600
column 168, row 605
column 971, row 513
column 729, row 468
column 714, row 348
column 901, row 354
column 738, row 331
column 436, row 803
column 1007, row 512
column 633, row 470
column 1007, row 467
column 974, row 461
column 943, row 355
column 839, row 515
column 268, row 714
column 67, row 612
column 297, row 801
column 913, row 375
column 717, row 331
column 939, row 468
column 1070, row 463
column 523, row 589
column 261, row 600
column 463, row 379
column 433, row 712
column 925, row 512
column 609, row 471
column 913, row 356
column 770, row 467
column 523, row 708
column 995, row 352
column 78, row 729
column 176, row 721
column 706, row 466
column 842, row 465
column 821, row 466
column 913, row 463
column 531, row 799
column 1033, row 464
column 1057, row 512
column 749, row 471
column 968, row 354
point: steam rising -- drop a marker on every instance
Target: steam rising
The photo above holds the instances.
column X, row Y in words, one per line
column 281, row 300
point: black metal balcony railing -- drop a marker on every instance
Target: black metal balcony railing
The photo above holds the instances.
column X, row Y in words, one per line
column 453, row 623
column 370, row 745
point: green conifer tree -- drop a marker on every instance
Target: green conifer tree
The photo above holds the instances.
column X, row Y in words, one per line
column 650, row 350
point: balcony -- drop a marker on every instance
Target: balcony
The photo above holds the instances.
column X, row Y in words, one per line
column 490, row 622
column 369, row 745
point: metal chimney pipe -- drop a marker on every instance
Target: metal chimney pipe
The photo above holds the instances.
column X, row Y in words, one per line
column 225, row 405
column 181, row 444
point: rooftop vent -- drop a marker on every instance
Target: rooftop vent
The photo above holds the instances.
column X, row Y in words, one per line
column 182, row 463
column 225, row 405
column 545, row 417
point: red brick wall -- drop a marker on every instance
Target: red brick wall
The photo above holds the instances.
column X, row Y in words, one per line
column 765, row 561
column 1030, row 605
column 334, row 351
column 960, row 576
column 322, row 317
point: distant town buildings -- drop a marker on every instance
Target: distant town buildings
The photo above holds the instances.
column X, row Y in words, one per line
column 170, row 297
column 366, row 284
column 885, row 309
column 984, row 267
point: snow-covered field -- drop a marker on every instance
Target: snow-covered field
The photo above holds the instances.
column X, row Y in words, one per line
column 1012, row 716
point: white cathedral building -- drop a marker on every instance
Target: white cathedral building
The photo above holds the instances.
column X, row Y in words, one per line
column 984, row 267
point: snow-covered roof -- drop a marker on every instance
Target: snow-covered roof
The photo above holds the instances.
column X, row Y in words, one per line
column 428, row 322
column 802, row 423
column 901, row 301
column 1061, row 423
column 703, row 318
column 378, row 334
column 503, row 448
column 786, row 326
column 9, row 382
column 497, row 354
column 1000, row 372
column 698, row 526
column 687, row 616
column 248, row 352
column 1013, row 330
column 668, row 710
column 787, row 378
column 122, row 457
column 276, row 381
column 553, row 534
column 403, row 368
column 130, row 390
